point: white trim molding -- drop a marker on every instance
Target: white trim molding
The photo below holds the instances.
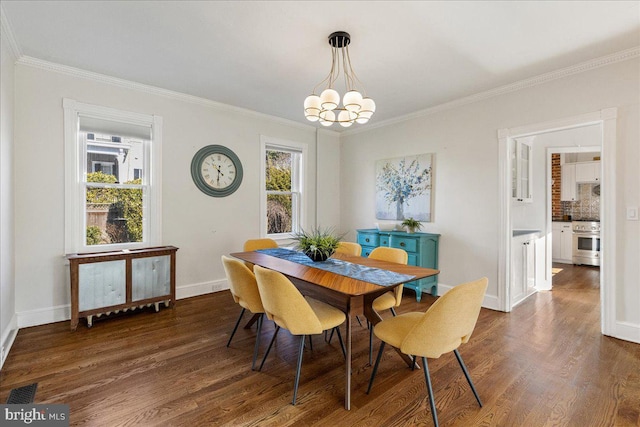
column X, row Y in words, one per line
column 74, row 189
column 154, row 90
column 607, row 118
column 603, row 61
column 8, row 338
column 8, row 35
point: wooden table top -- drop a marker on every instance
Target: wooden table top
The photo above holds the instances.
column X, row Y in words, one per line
column 334, row 281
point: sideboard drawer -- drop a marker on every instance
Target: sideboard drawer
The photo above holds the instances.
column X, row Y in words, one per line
column 421, row 248
column 409, row 245
column 369, row 239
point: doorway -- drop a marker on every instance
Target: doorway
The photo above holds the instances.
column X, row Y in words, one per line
column 607, row 119
column 574, row 203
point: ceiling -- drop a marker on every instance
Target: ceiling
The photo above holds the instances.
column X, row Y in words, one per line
column 267, row 56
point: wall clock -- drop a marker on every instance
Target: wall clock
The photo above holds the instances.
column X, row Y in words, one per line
column 216, row 170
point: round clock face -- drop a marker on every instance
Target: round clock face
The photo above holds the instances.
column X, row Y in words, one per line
column 216, row 170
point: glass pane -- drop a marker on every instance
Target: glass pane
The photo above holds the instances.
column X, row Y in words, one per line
column 278, row 170
column 150, row 277
column 114, row 215
column 119, row 157
column 101, row 284
column 279, row 213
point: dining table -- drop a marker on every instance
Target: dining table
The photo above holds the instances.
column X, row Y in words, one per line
column 346, row 288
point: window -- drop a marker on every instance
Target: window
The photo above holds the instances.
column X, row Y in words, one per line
column 112, row 202
column 283, row 197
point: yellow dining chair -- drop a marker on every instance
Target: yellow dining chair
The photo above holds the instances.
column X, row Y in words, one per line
column 448, row 323
column 349, row 248
column 286, row 306
column 244, row 289
column 390, row 299
column 255, row 244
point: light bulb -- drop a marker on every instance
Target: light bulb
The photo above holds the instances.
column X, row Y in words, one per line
column 345, row 118
column 327, row 117
column 352, row 100
column 329, row 99
column 368, row 105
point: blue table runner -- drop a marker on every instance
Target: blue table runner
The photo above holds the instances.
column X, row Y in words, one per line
column 343, row 268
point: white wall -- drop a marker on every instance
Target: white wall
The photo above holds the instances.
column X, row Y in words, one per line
column 464, row 140
column 7, row 277
column 203, row 227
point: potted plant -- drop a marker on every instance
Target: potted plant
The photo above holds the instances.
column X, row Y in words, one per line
column 412, row 225
column 318, row 244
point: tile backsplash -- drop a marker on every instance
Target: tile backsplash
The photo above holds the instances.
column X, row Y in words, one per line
column 588, row 204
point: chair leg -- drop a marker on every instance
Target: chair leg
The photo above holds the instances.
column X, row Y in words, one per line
column 466, row 374
column 370, row 344
column 432, row 402
column 255, row 349
column 359, row 322
column 413, row 364
column 295, row 386
column 344, row 352
column 393, row 311
column 375, row 367
column 269, row 348
column 330, row 336
column 310, row 343
column 235, row 328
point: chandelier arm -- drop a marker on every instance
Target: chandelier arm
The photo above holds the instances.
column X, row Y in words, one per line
column 354, row 76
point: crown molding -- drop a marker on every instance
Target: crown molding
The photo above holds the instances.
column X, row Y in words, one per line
column 603, row 61
column 7, row 34
column 140, row 87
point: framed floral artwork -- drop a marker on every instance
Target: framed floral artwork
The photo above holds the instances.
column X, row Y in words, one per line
column 403, row 188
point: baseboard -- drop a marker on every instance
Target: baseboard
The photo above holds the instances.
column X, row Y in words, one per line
column 490, row 301
column 8, row 337
column 193, row 290
column 62, row 313
column 42, row 316
column 628, row 331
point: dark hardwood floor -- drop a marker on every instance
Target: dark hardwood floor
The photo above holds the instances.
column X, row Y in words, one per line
column 544, row 364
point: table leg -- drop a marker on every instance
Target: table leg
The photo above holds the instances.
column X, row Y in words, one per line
column 347, row 393
column 252, row 320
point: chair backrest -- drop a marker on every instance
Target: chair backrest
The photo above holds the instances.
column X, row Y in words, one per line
column 243, row 285
column 255, row 244
column 399, row 256
column 349, row 248
column 448, row 323
column 284, row 304
column 383, row 253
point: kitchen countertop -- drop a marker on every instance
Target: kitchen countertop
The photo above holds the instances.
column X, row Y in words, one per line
column 524, row 232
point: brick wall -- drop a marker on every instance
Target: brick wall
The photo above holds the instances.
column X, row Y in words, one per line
column 556, row 176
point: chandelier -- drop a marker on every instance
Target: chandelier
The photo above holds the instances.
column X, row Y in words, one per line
column 356, row 107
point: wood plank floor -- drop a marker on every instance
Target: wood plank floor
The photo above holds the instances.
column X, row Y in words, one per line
column 544, row 364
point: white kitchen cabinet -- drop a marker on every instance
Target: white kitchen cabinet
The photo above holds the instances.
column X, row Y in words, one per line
column 568, row 187
column 562, row 242
column 521, row 172
column 588, row 172
column 523, row 267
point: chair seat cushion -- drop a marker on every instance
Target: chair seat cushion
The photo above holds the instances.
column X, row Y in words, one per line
column 329, row 316
column 384, row 302
column 394, row 329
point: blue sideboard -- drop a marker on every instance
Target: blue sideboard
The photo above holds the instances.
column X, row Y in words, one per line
column 422, row 249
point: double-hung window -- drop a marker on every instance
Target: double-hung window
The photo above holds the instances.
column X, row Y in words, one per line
column 283, row 164
column 112, row 179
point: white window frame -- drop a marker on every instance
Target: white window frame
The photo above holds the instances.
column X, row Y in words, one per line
column 299, row 176
column 75, row 170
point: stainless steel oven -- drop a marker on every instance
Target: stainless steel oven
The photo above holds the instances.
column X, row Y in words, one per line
column 586, row 242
